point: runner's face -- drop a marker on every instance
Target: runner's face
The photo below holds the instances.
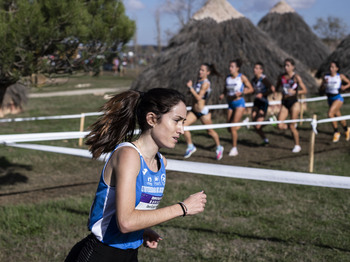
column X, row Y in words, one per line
column 257, row 70
column 167, row 131
column 203, row 72
column 288, row 67
column 233, row 69
column 333, row 68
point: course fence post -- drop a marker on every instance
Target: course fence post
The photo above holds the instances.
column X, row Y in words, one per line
column 302, row 97
column 82, row 120
column 312, row 147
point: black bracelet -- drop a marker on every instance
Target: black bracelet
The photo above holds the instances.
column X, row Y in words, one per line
column 184, row 208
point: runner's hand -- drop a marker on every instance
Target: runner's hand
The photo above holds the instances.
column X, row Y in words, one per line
column 190, row 84
column 196, row 203
column 151, row 238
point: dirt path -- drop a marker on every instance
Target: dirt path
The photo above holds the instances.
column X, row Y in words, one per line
column 97, row 91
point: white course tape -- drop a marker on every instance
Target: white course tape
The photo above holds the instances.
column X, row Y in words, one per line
column 327, row 120
column 6, row 120
column 271, row 103
column 333, row 119
column 41, row 137
column 210, row 107
column 260, row 174
column 75, row 135
column 319, row 98
column 56, row 149
column 221, row 170
column 313, row 123
column 215, row 126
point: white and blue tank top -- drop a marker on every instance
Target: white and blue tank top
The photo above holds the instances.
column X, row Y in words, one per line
column 234, row 85
column 332, row 84
column 199, row 86
column 149, row 191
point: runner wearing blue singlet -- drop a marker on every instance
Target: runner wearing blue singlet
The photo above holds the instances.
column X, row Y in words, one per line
column 262, row 88
column 200, row 94
column 133, row 178
column 290, row 83
column 236, row 86
column 332, row 85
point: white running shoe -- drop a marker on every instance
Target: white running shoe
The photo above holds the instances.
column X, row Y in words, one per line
column 246, row 121
column 272, row 119
column 296, row 149
column 233, row 151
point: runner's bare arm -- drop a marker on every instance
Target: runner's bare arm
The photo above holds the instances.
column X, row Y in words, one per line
column 125, row 169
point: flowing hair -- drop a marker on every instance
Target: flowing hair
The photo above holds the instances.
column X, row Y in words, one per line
column 237, row 61
column 123, row 111
column 212, row 69
column 290, row 60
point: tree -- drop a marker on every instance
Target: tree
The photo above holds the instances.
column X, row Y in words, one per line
column 158, row 28
column 33, row 29
column 331, row 29
column 182, row 10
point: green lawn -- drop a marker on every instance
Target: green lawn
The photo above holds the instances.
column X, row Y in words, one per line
column 244, row 220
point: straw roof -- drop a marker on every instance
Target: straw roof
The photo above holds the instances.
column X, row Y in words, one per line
column 342, row 55
column 206, row 40
column 218, row 10
column 281, row 8
column 293, row 35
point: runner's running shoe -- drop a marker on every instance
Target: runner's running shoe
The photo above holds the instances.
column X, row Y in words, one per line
column 233, row 151
column 265, row 142
column 219, row 152
column 189, row 151
column 336, row 137
column 296, row 149
column 347, row 134
column 246, row 121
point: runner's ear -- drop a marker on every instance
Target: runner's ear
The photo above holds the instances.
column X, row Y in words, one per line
column 151, row 119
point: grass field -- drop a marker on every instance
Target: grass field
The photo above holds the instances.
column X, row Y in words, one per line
column 45, row 197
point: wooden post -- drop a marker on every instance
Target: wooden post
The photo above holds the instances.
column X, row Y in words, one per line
column 312, row 148
column 301, row 109
column 82, row 120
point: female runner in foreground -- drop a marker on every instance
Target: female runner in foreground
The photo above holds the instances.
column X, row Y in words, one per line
column 133, row 178
column 199, row 111
column 236, row 86
column 290, row 82
column 332, row 85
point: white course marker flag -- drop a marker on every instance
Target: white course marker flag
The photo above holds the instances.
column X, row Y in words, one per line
column 221, row 170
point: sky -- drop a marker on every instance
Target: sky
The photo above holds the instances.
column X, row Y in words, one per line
column 143, row 12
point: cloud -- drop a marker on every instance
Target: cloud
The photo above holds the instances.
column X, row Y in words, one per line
column 301, row 4
column 134, row 4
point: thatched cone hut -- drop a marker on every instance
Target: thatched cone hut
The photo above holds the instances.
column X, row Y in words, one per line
column 293, row 35
column 342, row 55
column 216, row 34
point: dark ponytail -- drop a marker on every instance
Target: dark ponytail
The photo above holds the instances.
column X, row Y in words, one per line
column 336, row 64
column 237, row 61
column 290, row 60
column 212, row 69
column 118, row 122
